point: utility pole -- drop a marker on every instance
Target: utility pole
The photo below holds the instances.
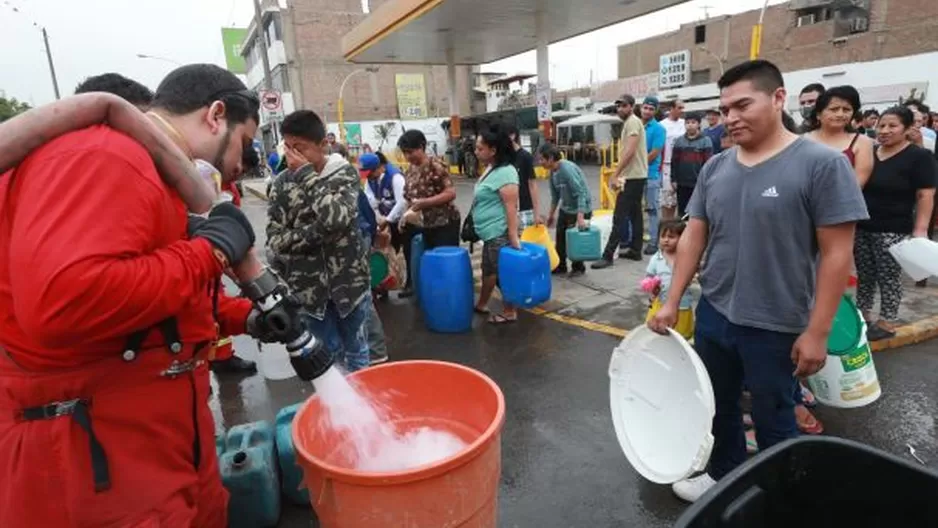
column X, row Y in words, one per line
column 55, row 82
column 262, row 41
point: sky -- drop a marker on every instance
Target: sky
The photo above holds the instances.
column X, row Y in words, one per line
column 88, row 37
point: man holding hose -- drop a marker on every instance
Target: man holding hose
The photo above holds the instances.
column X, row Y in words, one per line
column 109, row 292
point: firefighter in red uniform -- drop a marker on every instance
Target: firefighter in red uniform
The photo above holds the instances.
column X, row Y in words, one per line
column 108, row 302
column 223, row 359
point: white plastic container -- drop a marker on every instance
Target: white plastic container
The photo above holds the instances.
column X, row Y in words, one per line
column 604, row 223
column 662, row 405
column 917, row 256
column 274, row 362
column 848, row 379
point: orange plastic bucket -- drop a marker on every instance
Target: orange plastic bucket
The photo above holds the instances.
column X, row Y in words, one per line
column 458, row 491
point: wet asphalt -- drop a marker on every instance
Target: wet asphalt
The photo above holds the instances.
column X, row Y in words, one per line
column 561, row 463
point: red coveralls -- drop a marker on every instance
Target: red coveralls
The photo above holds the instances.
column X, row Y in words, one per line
column 93, row 251
column 224, row 348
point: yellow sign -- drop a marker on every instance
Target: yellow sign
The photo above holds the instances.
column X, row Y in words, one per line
column 411, row 95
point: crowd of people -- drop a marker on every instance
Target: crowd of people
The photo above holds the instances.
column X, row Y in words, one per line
column 771, row 219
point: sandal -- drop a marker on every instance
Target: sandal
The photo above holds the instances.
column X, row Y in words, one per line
column 807, row 397
column 807, row 422
column 500, row 319
column 751, row 446
column 878, row 333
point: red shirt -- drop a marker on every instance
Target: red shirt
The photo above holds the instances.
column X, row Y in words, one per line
column 93, row 248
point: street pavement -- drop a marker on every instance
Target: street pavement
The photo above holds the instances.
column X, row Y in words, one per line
column 561, row 463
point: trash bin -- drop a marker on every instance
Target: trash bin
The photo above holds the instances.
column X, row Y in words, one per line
column 819, row 482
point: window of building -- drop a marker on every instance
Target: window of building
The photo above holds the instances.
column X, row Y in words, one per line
column 700, row 34
column 700, row 76
column 273, row 29
column 280, row 78
column 813, row 15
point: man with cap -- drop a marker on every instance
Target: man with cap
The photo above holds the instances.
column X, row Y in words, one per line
column 629, row 179
column 655, row 136
column 384, row 188
column 655, row 139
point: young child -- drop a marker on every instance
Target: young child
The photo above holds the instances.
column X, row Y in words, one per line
column 658, row 277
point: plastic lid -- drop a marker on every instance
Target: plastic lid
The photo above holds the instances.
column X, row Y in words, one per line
column 662, row 405
column 846, row 328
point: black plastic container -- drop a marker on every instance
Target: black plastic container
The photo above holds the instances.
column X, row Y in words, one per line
column 822, row 482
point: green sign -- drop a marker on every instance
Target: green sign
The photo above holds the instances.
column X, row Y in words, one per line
column 231, row 39
column 353, row 134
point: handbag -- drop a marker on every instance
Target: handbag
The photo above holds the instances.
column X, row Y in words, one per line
column 468, row 232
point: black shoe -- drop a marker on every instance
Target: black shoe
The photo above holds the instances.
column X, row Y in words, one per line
column 560, row 270
column 878, row 333
column 406, row 293
column 631, row 254
column 234, row 365
column 576, row 273
column 650, row 250
column 602, row 264
column 376, row 358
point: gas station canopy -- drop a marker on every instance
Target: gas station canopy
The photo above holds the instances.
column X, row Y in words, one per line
column 478, row 31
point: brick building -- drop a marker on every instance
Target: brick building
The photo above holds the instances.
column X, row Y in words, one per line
column 304, row 40
column 797, row 35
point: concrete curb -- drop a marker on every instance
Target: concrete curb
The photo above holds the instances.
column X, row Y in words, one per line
column 255, row 192
column 909, row 334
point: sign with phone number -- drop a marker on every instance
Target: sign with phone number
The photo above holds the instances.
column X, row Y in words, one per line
column 673, row 69
column 411, row 95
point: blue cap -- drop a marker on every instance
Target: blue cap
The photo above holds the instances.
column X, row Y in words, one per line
column 368, row 162
column 651, row 100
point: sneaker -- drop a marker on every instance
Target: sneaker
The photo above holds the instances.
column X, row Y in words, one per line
column 576, row 273
column 234, row 365
column 691, row 489
column 650, row 250
column 376, row 358
column 602, row 264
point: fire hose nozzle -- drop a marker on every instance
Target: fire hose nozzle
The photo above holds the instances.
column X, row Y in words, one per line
column 285, row 320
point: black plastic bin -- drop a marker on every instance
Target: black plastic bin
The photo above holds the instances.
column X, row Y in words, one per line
column 822, row 482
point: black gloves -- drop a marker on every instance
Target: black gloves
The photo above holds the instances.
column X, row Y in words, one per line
column 227, row 229
column 284, row 323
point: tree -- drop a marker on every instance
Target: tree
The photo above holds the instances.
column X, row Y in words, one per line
column 384, row 132
column 11, row 107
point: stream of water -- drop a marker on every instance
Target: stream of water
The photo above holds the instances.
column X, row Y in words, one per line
column 373, row 444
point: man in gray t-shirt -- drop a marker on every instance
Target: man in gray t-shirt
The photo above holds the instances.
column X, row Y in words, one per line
column 776, row 215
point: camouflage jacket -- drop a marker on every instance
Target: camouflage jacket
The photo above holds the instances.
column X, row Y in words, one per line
column 313, row 236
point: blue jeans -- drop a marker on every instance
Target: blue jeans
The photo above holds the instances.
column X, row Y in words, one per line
column 652, row 191
column 344, row 338
column 761, row 359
